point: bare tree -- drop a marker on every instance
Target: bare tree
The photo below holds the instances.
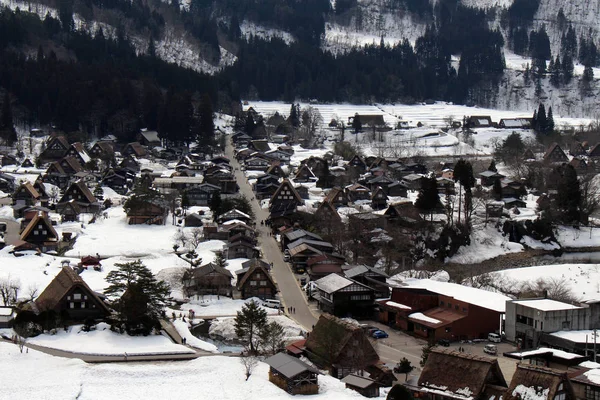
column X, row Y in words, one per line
column 9, row 290
column 590, row 196
column 32, row 292
column 249, row 362
column 196, row 237
column 181, row 239
column 311, row 121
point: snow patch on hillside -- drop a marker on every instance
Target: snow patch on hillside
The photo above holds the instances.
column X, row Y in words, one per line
column 249, row 28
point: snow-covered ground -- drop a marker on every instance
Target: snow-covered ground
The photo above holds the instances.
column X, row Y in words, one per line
column 217, row 306
column 215, row 377
column 225, row 328
column 183, row 328
column 582, row 279
column 103, row 341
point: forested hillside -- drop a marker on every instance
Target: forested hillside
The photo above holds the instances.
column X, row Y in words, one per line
column 115, row 66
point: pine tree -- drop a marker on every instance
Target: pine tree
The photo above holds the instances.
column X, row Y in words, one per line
column 428, row 198
column 206, row 124
column 550, row 121
column 568, row 194
column 588, row 74
column 7, row 128
column 492, row 166
column 294, row 115
column 541, row 119
column 215, row 205
column 497, row 189
column 137, row 297
column 151, row 48
column 248, row 323
column 356, row 123
column 555, row 72
column 567, row 68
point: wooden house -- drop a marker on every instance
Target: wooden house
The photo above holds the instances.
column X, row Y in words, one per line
column 27, row 163
column 381, row 180
column 243, row 247
column 302, row 191
column 257, row 163
column 148, row 213
column 293, row 235
column 56, row 148
column 279, row 155
column 532, row 380
column 397, row 189
column 369, row 276
column 292, row 375
column 515, row 123
column 79, row 193
column 120, row 180
column 134, row 149
column 70, row 165
column 26, row 194
column 254, row 280
column 130, row 163
column 336, row 197
column 462, row 375
column 479, row 121
column 555, row 154
column 487, row 178
column 340, row 346
column 260, row 145
column 202, row 195
column 403, row 213
column 528, row 155
column 344, row 297
column 102, row 150
column 585, row 382
column 148, row 138
column 285, row 198
column 379, row 199
column 69, row 211
column 413, row 181
column 235, row 214
column 304, row 174
column 209, row 279
column 193, row 220
column 7, row 183
column 357, row 162
column 327, row 214
column 276, row 170
column 357, row 192
column 40, row 233
column 68, row 294
column 361, row 384
column 77, row 151
column 322, row 265
column 7, row 316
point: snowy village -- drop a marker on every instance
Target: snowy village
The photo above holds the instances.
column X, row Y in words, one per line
column 430, row 251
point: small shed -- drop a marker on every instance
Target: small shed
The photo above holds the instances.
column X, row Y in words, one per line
column 292, row 375
column 363, row 385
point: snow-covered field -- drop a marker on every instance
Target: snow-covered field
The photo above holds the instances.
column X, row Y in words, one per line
column 103, row 341
column 582, row 279
column 225, row 328
column 215, row 377
column 217, row 306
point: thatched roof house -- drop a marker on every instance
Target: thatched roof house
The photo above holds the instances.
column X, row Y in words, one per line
column 68, row 293
column 340, row 346
column 461, row 375
column 530, row 381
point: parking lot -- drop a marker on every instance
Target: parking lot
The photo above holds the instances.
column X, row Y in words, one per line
column 399, row 344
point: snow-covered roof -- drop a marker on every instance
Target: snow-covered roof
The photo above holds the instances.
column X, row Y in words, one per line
column 332, row 283
column 397, row 305
column 482, row 298
column 546, row 305
column 422, row 317
column 582, row 336
column 544, row 350
column 590, row 364
column 593, row 375
column 6, row 311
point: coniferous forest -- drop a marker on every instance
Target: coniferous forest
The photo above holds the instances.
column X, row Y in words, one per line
column 95, row 83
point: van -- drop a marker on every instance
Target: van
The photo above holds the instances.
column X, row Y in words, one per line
column 272, row 303
column 494, row 338
column 490, row 349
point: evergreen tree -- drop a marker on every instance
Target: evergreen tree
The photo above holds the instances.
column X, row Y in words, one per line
column 555, row 70
column 272, row 337
column 568, row 196
column 151, row 47
column 137, row 297
column 65, row 14
column 7, row 128
column 463, row 173
column 185, row 201
column 248, row 323
column 294, row 117
column 428, row 198
column 356, row 123
column 405, row 367
column 492, row 166
column 497, row 189
column 541, row 121
column 206, row 124
column 250, row 125
column 588, row 74
column 550, row 121
column 220, row 260
column 215, row 205
column 567, row 68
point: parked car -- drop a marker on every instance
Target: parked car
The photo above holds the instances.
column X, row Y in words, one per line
column 494, row 338
column 444, row 342
column 272, row 303
column 490, row 349
column 379, row 334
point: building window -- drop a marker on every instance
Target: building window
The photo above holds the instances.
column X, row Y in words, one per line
column 360, row 297
column 566, row 324
column 442, row 304
column 464, row 309
column 560, row 396
column 449, row 305
column 252, row 283
column 592, row 393
column 456, row 307
column 77, row 296
column 72, row 305
column 263, row 283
